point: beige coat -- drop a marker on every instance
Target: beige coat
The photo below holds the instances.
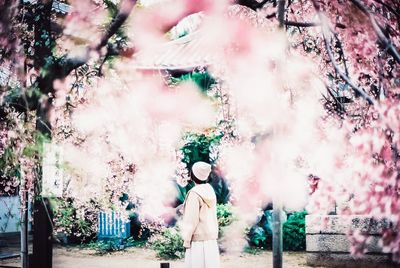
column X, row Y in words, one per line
column 200, row 215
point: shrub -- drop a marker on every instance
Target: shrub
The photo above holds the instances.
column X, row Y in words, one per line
column 294, row 236
column 260, row 234
column 294, row 233
column 168, row 244
column 112, row 245
column 106, row 246
column 79, row 225
column 225, row 217
column 224, row 214
column 198, row 148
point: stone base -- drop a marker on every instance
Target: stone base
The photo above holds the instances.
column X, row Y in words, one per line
column 345, row 260
column 327, row 243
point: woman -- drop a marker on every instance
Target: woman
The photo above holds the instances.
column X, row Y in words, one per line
column 200, row 225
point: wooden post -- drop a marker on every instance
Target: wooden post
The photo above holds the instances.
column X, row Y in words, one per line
column 277, row 234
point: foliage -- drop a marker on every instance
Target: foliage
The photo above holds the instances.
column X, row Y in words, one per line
column 168, row 244
column 69, row 221
column 197, row 147
column 294, row 232
column 260, row 237
column 220, row 185
column 105, row 246
column 224, row 215
column 112, row 245
column 202, row 79
column 182, row 191
column 293, row 229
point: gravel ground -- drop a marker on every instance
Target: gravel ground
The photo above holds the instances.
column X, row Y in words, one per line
column 146, row 258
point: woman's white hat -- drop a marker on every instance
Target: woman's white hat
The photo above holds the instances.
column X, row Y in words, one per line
column 201, row 170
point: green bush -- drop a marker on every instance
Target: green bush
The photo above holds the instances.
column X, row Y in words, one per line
column 76, row 227
column 168, row 244
column 224, row 214
column 105, row 246
column 294, row 232
column 225, row 217
column 202, row 79
column 294, row 236
column 198, row 148
column 112, row 245
column 260, row 234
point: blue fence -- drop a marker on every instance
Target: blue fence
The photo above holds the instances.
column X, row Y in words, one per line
column 111, row 226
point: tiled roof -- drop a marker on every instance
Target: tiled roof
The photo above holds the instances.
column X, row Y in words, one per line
column 188, row 52
column 184, row 53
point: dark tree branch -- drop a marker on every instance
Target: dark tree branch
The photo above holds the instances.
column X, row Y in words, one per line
column 252, row 4
column 340, row 106
column 124, row 11
column 382, row 37
column 342, row 54
column 302, row 24
column 122, row 15
column 281, row 12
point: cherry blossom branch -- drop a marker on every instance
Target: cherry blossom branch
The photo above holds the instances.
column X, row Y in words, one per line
column 124, row 12
column 59, row 69
column 357, row 89
column 391, row 9
column 325, row 32
column 385, row 41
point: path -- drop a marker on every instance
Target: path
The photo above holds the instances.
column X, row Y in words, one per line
column 145, row 258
